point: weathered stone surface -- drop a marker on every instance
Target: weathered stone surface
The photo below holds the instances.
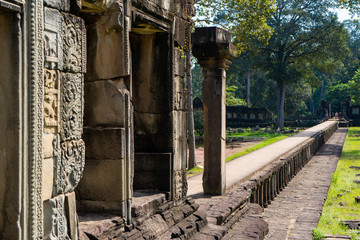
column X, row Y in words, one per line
column 48, row 178
column 48, row 145
column 53, row 39
column 105, row 143
column 102, row 181
column 63, row 5
column 72, row 219
column 109, row 42
column 105, row 103
column 153, row 227
column 152, row 171
column 55, row 221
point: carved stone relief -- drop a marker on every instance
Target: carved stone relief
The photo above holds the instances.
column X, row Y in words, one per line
column 51, row 100
column 180, row 185
column 69, row 166
column 71, row 106
column 53, row 39
column 74, row 40
column 55, row 223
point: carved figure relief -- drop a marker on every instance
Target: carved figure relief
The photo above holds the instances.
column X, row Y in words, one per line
column 55, row 224
column 51, row 100
column 53, row 39
column 70, row 166
column 74, row 48
column 71, row 106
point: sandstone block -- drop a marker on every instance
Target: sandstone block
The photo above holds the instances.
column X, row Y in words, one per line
column 105, row 143
column 70, row 208
column 102, row 181
column 48, row 178
column 107, row 103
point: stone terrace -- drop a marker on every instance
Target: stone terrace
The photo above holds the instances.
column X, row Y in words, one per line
column 259, row 185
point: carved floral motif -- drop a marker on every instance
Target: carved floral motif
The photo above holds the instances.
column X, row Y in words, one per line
column 71, row 106
column 74, row 45
column 70, row 166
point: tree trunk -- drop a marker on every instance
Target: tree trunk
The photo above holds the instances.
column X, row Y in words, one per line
column 281, row 105
column 191, row 134
column 312, row 104
column 248, row 88
column 322, row 86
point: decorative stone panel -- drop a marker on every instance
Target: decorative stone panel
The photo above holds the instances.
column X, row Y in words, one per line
column 70, row 166
column 74, row 40
column 71, row 106
column 51, row 100
column 53, row 39
column 55, row 224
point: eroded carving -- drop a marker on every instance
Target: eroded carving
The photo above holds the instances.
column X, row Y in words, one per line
column 51, row 100
column 180, row 185
column 71, row 106
column 74, row 45
column 53, row 39
column 70, row 166
column 55, row 224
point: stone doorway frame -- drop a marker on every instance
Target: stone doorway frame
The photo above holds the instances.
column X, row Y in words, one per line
column 168, row 29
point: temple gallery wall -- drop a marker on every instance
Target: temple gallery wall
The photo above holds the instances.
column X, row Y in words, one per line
column 93, row 110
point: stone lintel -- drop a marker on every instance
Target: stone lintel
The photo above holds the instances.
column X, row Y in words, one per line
column 213, row 48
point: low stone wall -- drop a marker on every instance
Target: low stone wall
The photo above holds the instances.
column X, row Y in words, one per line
column 266, row 184
column 260, row 189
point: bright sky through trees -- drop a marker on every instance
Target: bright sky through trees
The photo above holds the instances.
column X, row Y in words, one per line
column 343, row 14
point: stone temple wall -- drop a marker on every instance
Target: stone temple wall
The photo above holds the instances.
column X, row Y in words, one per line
column 93, row 108
column 63, row 147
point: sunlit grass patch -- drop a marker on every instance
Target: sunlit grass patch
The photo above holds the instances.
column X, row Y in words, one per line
column 343, row 190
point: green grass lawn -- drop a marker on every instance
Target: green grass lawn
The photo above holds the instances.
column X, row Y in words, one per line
column 343, row 189
column 268, row 137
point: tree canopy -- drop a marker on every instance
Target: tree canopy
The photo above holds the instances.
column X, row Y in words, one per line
column 246, row 19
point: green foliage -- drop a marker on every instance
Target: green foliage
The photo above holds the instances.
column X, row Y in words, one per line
column 199, row 122
column 352, row 5
column 231, row 99
column 342, row 189
column 246, row 19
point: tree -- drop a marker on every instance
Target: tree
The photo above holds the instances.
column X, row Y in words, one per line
column 304, row 31
column 246, row 19
column 352, row 5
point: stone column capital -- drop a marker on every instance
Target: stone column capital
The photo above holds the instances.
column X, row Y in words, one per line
column 213, row 48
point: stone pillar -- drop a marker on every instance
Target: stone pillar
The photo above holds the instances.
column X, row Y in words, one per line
column 214, row 50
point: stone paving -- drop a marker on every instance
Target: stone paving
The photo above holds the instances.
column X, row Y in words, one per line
column 297, row 209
